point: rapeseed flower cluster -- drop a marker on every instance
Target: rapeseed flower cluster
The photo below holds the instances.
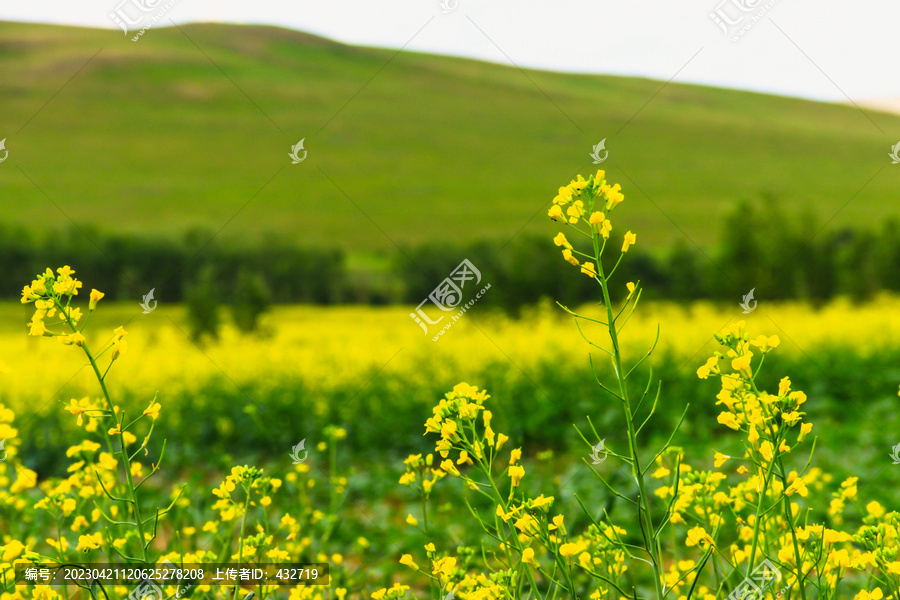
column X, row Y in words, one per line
column 587, row 203
column 700, row 533
column 721, row 519
column 98, row 509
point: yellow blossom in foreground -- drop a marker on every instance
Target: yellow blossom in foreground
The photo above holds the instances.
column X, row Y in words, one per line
column 528, row 557
column 96, row 296
column 516, row 473
column 767, row 450
column 407, row 560
column 742, row 363
column 560, row 240
column 89, row 542
column 728, row 419
column 78, row 408
column 804, row 431
column 76, row 339
column 567, row 254
column 605, row 228
column 444, row 566
column 697, row 535
column 153, row 410
column 630, row 239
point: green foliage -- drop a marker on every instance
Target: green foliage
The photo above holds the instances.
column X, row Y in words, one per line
column 780, row 254
column 252, row 299
column 202, row 300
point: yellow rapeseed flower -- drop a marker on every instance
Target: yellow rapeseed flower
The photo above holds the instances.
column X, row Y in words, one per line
column 153, row 410
column 528, row 557
column 727, row 419
column 516, row 473
column 76, row 338
column 698, row 536
column 443, row 567
column 630, row 239
column 605, row 228
column 567, row 254
column 96, row 296
column 560, row 240
column 742, row 363
column 89, row 542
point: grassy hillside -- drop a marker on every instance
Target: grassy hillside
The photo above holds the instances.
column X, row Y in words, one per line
column 152, row 137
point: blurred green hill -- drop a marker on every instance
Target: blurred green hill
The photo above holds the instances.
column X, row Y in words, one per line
column 192, row 127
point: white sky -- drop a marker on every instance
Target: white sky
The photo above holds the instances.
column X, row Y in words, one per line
column 828, row 48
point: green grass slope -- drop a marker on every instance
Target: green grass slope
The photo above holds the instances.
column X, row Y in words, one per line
column 193, row 127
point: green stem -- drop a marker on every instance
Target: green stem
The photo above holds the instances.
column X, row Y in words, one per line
column 485, row 468
column 756, row 521
column 646, row 522
column 241, row 538
column 765, row 486
column 136, row 509
column 790, row 520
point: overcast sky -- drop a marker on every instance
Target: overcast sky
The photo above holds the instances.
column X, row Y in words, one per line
column 823, row 49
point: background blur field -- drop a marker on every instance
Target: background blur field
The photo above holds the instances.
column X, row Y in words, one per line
column 159, row 136
column 164, row 163
column 373, row 372
column 249, row 399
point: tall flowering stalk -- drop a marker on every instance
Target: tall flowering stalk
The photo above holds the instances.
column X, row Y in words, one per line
column 740, row 529
column 585, row 207
column 56, row 316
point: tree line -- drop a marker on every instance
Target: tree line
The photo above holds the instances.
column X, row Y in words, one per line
column 781, row 256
